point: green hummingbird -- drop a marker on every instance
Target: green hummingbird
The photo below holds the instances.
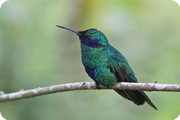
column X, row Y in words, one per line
column 106, row 65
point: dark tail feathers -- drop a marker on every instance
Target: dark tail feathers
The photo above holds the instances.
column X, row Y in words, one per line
column 138, row 97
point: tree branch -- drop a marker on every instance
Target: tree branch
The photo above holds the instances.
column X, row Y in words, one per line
column 87, row 86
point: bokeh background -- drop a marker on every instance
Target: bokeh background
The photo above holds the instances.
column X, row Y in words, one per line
column 35, row 53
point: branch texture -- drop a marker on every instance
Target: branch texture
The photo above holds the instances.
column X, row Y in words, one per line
column 88, row 86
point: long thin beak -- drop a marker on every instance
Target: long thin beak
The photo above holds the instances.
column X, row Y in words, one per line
column 75, row 31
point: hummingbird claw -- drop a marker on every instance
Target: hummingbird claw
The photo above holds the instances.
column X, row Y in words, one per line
column 97, row 85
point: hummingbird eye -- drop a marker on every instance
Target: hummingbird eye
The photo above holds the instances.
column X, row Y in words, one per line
column 88, row 37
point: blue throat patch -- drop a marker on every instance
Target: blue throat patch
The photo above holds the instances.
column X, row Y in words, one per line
column 90, row 43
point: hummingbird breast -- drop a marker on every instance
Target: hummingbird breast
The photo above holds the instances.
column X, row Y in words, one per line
column 96, row 63
column 93, row 57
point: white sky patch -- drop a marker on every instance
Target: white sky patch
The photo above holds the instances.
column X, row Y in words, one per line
column 1, row 2
column 178, row 1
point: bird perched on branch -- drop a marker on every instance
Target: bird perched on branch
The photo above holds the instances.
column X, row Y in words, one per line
column 106, row 65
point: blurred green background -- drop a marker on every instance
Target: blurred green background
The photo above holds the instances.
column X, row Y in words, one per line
column 35, row 53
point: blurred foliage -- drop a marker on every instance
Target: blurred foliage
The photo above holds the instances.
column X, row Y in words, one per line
column 35, row 53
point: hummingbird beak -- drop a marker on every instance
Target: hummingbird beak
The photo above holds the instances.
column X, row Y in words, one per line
column 75, row 31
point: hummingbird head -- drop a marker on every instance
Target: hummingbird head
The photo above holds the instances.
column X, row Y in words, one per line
column 90, row 37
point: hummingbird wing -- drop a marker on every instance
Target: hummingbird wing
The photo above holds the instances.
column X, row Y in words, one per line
column 123, row 72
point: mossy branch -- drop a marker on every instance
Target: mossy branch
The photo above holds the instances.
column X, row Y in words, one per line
column 87, row 86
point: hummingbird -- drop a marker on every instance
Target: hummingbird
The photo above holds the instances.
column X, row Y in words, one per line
column 106, row 65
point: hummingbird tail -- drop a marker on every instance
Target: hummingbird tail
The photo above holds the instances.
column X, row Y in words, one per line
column 148, row 100
column 137, row 97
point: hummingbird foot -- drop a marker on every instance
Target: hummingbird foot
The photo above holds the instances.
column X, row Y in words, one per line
column 156, row 82
column 97, row 85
